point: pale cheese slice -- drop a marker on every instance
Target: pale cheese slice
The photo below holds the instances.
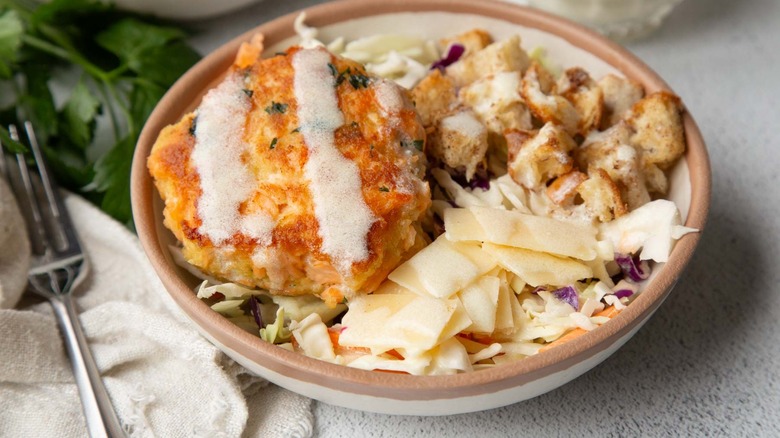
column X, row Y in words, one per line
column 388, row 321
column 519, row 230
column 504, row 320
column 480, row 299
column 443, row 268
column 538, row 268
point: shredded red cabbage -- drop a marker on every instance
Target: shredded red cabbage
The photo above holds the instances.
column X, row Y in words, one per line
column 480, row 179
column 568, row 295
column 635, row 270
column 453, row 55
column 253, row 301
column 623, row 293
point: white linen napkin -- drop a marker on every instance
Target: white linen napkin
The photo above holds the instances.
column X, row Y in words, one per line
column 164, row 379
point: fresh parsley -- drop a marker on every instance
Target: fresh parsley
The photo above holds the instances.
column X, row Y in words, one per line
column 358, row 80
column 276, row 108
column 384, row 189
column 105, row 67
column 273, row 143
column 417, row 144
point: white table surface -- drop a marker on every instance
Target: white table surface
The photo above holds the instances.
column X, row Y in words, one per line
column 708, row 362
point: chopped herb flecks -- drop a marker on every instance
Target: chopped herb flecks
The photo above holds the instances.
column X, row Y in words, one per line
column 276, row 108
column 384, row 189
column 354, row 124
column 280, row 54
column 298, row 129
column 193, row 126
column 358, row 80
column 273, row 143
column 248, row 92
column 333, row 69
column 417, row 144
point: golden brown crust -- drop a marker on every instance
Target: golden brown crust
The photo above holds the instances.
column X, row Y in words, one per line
column 391, row 176
column 472, row 40
column 658, row 130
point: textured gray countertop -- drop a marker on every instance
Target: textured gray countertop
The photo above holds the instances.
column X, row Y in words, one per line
column 708, row 362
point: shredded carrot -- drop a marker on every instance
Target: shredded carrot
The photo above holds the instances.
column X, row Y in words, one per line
column 609, row 312
column 395, row 354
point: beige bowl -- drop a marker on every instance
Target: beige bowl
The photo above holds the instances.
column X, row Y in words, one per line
column 568, row 43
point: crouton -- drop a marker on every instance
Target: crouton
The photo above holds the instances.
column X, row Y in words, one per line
column 538, row 91
column 655, row 179
column 658, row 129
column 620, row 95
column 611, row 151
column 535, row 158
column 564, row 188
column 496, row 101
column 473, row 40
column 601, row 196
column 433, row 97
column 578, row 88
column 460, row 141
column 498, row 57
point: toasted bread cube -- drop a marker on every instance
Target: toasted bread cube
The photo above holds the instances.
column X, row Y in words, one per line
column 655, row 179
column 658, row 129
column 611, row 151
column 581, row 90
column 460, row 140
column 433, row 97
column 473, row 40
column 496, row 100
column 602, row 196
column 538, row 90
column 534, row 159
column 564, row 188
column 620, row 94
column 506, row 55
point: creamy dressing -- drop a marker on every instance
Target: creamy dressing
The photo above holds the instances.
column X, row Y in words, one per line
column 334, row 181
column 389, row 98
column 225, row 180
column 464, row 123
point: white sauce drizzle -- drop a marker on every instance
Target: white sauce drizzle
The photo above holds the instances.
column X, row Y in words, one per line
column 343, row 215
column 465, row 123
column 389, row 97
column 225, row 180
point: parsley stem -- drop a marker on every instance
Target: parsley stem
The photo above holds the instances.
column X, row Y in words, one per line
column 64, row 54
column 103, row 87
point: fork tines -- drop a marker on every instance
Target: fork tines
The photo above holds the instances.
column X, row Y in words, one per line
column 53, row 239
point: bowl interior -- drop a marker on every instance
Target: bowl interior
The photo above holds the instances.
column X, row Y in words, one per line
column 565, row 43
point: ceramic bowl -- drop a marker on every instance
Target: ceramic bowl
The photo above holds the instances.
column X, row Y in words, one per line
column 565, row 42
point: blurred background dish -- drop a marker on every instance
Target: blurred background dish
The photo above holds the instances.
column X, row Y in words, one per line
column 622, row 20
column 178, row 10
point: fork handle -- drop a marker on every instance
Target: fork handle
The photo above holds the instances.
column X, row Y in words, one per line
column 98, row 410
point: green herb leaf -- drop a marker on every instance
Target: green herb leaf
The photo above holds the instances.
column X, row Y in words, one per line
column 131, row 40
column 418, row 144
column 298, row 129
column 11, row 31
column 276, row 108
column 165, row 64
column 273, row 143
column 38, row 103
column 78, row 116
column 333, row 70
column 384, row 189
column 112, row 177
column 358, row 80
column 10, row 144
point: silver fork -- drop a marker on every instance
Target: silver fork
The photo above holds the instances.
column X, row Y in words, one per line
column 58, row 265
